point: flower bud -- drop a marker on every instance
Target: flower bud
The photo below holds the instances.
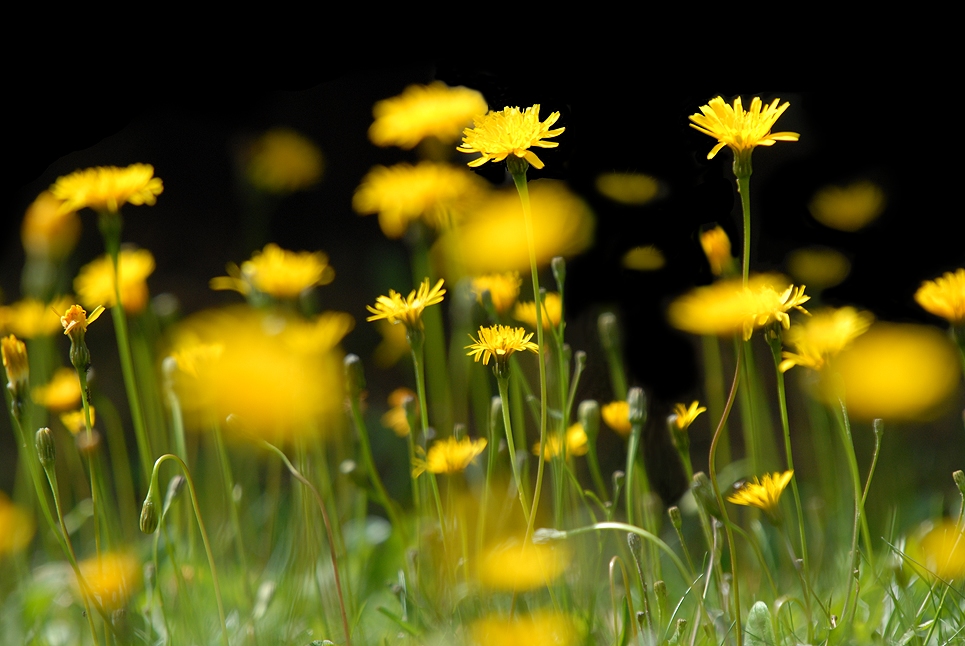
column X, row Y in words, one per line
column 637, row 401
column 46, row 451
column 675, row 519
column 609, row 331
column 14, row 353
column 558, row 265
column 589, row 416
column 149, row 517
column 704, row 494
column 959, row 478
column 354, row 375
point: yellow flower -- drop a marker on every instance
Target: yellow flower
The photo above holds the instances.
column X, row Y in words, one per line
column 76, row 422
column 108, row 188
column 942, row 549
column 741, row 130
column 75, row 320
column 575, row 443
column 716, row 247
column 95, row 282
column 14, row 354
column 765, row 494
column 684, row 415
column 944, row 296
column 823, row 336
column 617, row 416
column 819, row 267
column 395, row 418
column 16, row 526
column 112, row 578
column 727, row 307
column 516, row 566
column 491, row 239
column 497, row 135
column 628, row 188
column 396, row 309
column 552, row 311
column 30, row 318
column 421, row 111
column 277, row 272
column 644, row 258
column 61, row 394
column 394, row 344
column 192, row 359
column 503, row 289
column 848, row 208
column 535, row 629
column 448, row 456
column 500, row 341
column 48, row 232
column 284, row 161
column 437, row 193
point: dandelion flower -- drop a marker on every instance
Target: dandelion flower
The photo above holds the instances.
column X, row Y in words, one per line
column 396, row 418
column 14, row 354
column 848, row 208
column 277, row 273
column 497, row 135
column 47, row 231
column 449, row 456
column 944, row 296
column 16, row 526
column 503, row 289
column 552, row 311
column 394, row 344
column 30, row 318
column 500, row 342
column 75, row 320
column 520, row 566
column 741, row 130
column 61, row 394
column 823, row 336
column 942, row 549
column 628, row 188
column 538, row 628
column 283, row 161
column 616, row 415
column 684, row 416
column 95, row 282
column 765, row 494
column 112, row 578
column 819, row 267
column 106, row 189
column 396, row 309
column 421, row 111
column 643, row 258
column 75, row 421
column 575, row 442
column 716, row 246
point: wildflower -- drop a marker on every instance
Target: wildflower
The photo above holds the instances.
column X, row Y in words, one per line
column 819, row 267
column 394, row 344
column 75, row 421
column 16, row 526
column 396, row 309
column 31, row 318
column 448, row 456
column 500, row 342
column 13, row 351
column 496, row 135
column 942, row 550
column 574, row 443
column 848, row 208
column 519, row 566
column 823, row 336
column 765, row 494
column 95, row 282
column 643, row 258
column 616, row 415
column 111, row 578
column 716, row 246
column 438, row 194
column 283, row 161
column 75, row 320
column 741, row 130
column 944, row 296
column 421, row 111
column 277, row 273
column 106, row 189
column 684, row 416
column 628, row 188
column 503, row 289
column 47, row 232
column 396, row 418
column 192, row 359
column 61, row 394
column 537, row 628
column 552, row 311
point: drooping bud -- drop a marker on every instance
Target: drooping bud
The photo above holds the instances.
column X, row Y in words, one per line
column 46, row 451
column 14, row 353
column 149, row 516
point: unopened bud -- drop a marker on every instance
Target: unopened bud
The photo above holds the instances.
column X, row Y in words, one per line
column 704, row 494
column 609, row 331
column 558, row 265
column 637, row 402
column 589, row 415
column 354, row 375
column 959, row 478
column 675, row 519
column 149, row 517
column 660, row 591
column 46, row 451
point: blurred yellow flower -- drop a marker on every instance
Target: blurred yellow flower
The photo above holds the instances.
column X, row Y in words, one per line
column 448, row 456
column 684, row 416
column 284, row 161
column 716, row 246
column 944, row 296
column 727, row 307
column 575, row 443
column 896, row 372
column 517, row 566
column 942, row 550
column 542, row 627
column 16, row 527
column 13, row 351
column 436, row 193
column 765, row 494
column 503, row 289
column 741, row 130
column 75, row 421
column 47, row 231
column 395, row 418
column 552, row 311
column 823, row 336
column 112, row 578
column 108, row 188
column 75, row 320
column 394, row 344
column 645, row 258
column 193, row 358
column 818, row 267
column 421, row 111
column 491, row 240
column 497, row 135
column 31, row 318
column 627, row 188
column 61, row 394
column 95, row 282
column 396, row 309
column 500, row 342
column 848, row 208
column 276, row 272
column 616, row 415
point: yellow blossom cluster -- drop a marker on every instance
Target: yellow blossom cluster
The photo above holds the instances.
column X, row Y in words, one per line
column 448, row 456
column 277, row 273
column 422, row 111
column 574, row 442
column 823, row 336
column 510, row 131
column 944, row 296
column 95, row 281
column 552, row 311
column 106, row 189
column 503, row 289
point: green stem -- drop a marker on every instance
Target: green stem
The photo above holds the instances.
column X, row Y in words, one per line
column 229, row 486
column 92, row 465
column 503, row 383
column 860, row 524
column 633, row 529
column 744, row 189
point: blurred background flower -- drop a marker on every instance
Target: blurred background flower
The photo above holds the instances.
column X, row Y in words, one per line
column 283, row 161
column 848, row 208
column 433, row 110
column 95, row 282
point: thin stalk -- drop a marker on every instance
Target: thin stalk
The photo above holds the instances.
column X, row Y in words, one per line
column 860, row 524
column 503, row 383
column 744, row 189
column 229, row 486
column 92, row 465
column 33, row 467
column 624, row 527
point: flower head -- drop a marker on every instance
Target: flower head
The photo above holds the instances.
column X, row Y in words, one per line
column 75, row 421
column 765, row 494
column 61, row 393
column 684, row 416
column 421, row 111
column 283, row 161
column 518, row 566
column 500, row 342
column 396, row 418
column 942, row 549
column 819, row 267
column 108, row 188
column 574, row 443
column 823, row 336
column 848, row 208
column 112, row 578
column 539, row 627
column 741, row 130
column 628, row 188
column 47, row 231
column 14, row 355
column 552, row 311
column 617, row 416
column 496, row 135
column 503, row 289
column 643, row 258
column 31, row 318
column 944, row 296
column 449, row 456
column 407, row 310
column 16, row 526
column 277, row 273
column 393, row 346
column 95, row 282
column 75, row 320
column 716, row 247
